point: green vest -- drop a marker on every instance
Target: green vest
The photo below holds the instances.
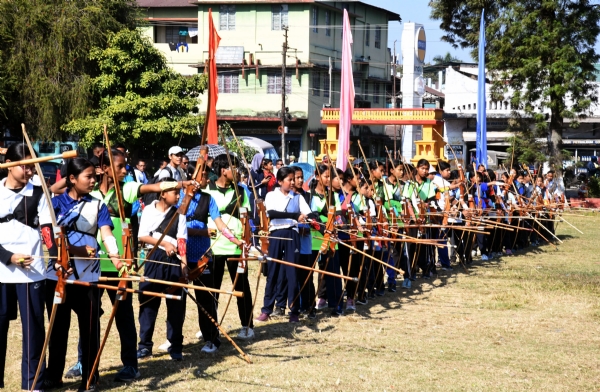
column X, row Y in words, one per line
column 227, row 203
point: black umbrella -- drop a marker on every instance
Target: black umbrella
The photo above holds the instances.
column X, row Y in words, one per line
column 213, row 151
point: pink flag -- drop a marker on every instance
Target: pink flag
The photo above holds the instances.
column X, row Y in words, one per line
column 346, row 96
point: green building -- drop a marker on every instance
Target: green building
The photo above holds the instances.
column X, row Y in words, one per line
column 249, row 62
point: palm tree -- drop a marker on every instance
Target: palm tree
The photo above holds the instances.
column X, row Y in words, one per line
column 448, row 58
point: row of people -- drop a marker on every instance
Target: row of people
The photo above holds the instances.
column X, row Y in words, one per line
column 339, row 225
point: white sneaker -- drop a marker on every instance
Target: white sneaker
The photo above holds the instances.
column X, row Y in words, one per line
column 209, row 348
column 473, row 253
column 484, row 258
column 321, row 304
column 165, row 346
column 478, row 252
column 199, row 335
column 246, row 333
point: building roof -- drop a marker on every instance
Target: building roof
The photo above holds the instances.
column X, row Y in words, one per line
column 328, row 4
column 164, row 3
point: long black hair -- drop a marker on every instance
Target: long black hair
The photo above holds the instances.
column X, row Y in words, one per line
column 75, row 167
column 15, row 152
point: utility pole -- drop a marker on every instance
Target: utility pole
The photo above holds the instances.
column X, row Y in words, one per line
column 283, row 75
column 330, row 81
column 394, row 96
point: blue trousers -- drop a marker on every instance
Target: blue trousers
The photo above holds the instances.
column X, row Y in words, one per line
column 206, row 300
column 85, row 302
column 443, row 256
column 30, row 299
column 307, row 291
column 287, row 250
column 149, row 306
column 125, row 321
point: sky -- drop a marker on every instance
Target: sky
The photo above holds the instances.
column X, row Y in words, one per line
column 418, row 11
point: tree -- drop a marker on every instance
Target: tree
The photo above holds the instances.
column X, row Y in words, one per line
column 226, row 139
column 136, row 94
column 541, row 50
column 447, row 58
column 44, row 48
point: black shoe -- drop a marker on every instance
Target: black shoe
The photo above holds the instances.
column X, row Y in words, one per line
column 337, row 312
column 92, row 388
column 372, row 294
column 143, row 353
column 392, row 287
column 447, row 268
column 312, row 314
column 48, row 385
column 278, row 312
column 380, row 293
column 362, row 301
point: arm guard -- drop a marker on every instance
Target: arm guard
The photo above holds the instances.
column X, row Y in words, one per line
column 181, row 246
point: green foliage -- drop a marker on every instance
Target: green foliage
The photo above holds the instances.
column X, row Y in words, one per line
column 138, row 97
column 543, row 51
column 44, row 58
column 447, row 58
column 226, row 138
column 594, row 187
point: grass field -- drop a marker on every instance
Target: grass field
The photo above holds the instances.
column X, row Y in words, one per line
column 529, row 322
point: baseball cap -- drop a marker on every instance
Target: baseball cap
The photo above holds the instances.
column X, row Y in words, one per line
column 432, row 169
column 175, row 150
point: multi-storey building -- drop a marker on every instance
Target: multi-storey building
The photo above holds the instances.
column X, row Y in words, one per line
column 249, row 61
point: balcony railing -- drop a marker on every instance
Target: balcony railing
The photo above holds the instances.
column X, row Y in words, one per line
column 386, row 116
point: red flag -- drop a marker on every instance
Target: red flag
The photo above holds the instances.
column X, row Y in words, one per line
column 210, row 124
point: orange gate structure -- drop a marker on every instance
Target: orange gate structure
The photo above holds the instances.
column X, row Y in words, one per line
column 431, row 147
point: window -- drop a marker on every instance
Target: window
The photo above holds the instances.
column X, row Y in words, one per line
column 378, row 37
column 227, row 17
column 357, row 78
column 279, row 16
column 274, row 83
column 228, row 82
column 366, row 90
column 327, row 23
column 368, row 35
column 376, row 97
column 316, row 83
column 326, row 86
column 173, row 34
column 315, row 19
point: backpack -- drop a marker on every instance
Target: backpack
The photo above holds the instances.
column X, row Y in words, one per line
column 148, row 198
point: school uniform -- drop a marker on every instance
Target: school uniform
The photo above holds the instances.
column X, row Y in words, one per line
column 283, row 211
column 367, row 278
column 223, row 249
column 124, row 319
column 153, row 224
column 22, row 212
column 393, row 200
column 350, row 261
column 82, row 219
column 201, row 207
column 304, row 278
column 425, row 253
column 332, row 290
column 442, row 186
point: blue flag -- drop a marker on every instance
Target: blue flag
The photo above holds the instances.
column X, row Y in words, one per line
column 481, row 143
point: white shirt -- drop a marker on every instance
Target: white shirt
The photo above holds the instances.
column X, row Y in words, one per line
column 152, row 218
column 443, row 186
column 164, row 173
column 140, row 176
column 17, row 237
column 277, row 201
